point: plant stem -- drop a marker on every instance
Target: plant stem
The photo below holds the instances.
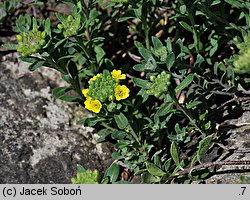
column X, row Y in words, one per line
column 185, row 112
column 108, row 127
column 145, row 25
column 130, row 131
column 133, row 134
column 212, row 164
column 54, row 65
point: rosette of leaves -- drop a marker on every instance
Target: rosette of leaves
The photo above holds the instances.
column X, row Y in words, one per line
column 161, row 53
column 242, row 61
column 69, row 25
column 102, row 88
column 30, row 42
column 85, row 176
column 159, row 84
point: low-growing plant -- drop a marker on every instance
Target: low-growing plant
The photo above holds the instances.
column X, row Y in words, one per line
column 156, row 76
column 85, row 176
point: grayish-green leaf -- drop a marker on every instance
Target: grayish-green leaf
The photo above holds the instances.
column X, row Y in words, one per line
column 154, row 170
column 36, row 65
column 113, row 172
column 148, row 178
column 170, row 60
column 185, row 83
column 186, row 26
column 175, row 154
column 10, row 46
column 140, row 82
column 157, row 43
column 203, row 147
column 121, row 121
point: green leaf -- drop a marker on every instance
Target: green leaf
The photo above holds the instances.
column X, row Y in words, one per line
column 175, row 154
column 183, row 9
column 182, row 48
column 10, row 46
column 157, row 43
column 165, row 109
column 61, row 91
column 235, row 3
column 125, row 18
column 70, row 99
column 118, row 135
column 60, row 42
column 207, row 125
column 185, row 83
column 194, row 160
column 203, row 147
column 199, row 60
column 45, row 54
column 36, row 65
column 186, row 26
column 103, row 134
column 145, row 53
column 80, row 169
column 154, row 170
column 29, row 59
column 138, row 12
column 100, row 53
column 140, row 82
column 167, row 164
column 109, row 63
column 169, row 45
column 122, row 144
column 150, row 64
column 148, row 178
column 244, row 180
column 3, row 13
column 139, row 67
column 139, row 45
column 192, row 104
column 60, row 17
column 121, row 121
column 170, row 60
column 117, row 156
column 92, row 121
column 144, row 95
column 113, row 172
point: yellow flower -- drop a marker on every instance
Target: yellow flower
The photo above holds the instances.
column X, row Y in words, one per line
column 117, row 74
column 93, row 105
column 121, row 92
column 94, row 77
column 85, row 92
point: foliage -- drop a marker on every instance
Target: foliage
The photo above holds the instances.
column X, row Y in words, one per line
column 7, row 7
column 244, row 180
column 85, row 176
column 181, row 64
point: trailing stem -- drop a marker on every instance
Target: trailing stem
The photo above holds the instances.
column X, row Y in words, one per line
column 212, row 164
column 186, row 112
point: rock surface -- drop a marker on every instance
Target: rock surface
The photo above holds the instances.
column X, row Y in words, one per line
column 237, row 132
column 39, row 139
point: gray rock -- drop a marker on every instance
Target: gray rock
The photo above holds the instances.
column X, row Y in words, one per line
column 235, row 132
column 39, row 139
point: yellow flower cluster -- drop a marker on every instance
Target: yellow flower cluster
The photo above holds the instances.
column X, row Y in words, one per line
column 93, row 105
column 104, row 88
column 117, row 74
column 94, row 78
column 121, row 92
